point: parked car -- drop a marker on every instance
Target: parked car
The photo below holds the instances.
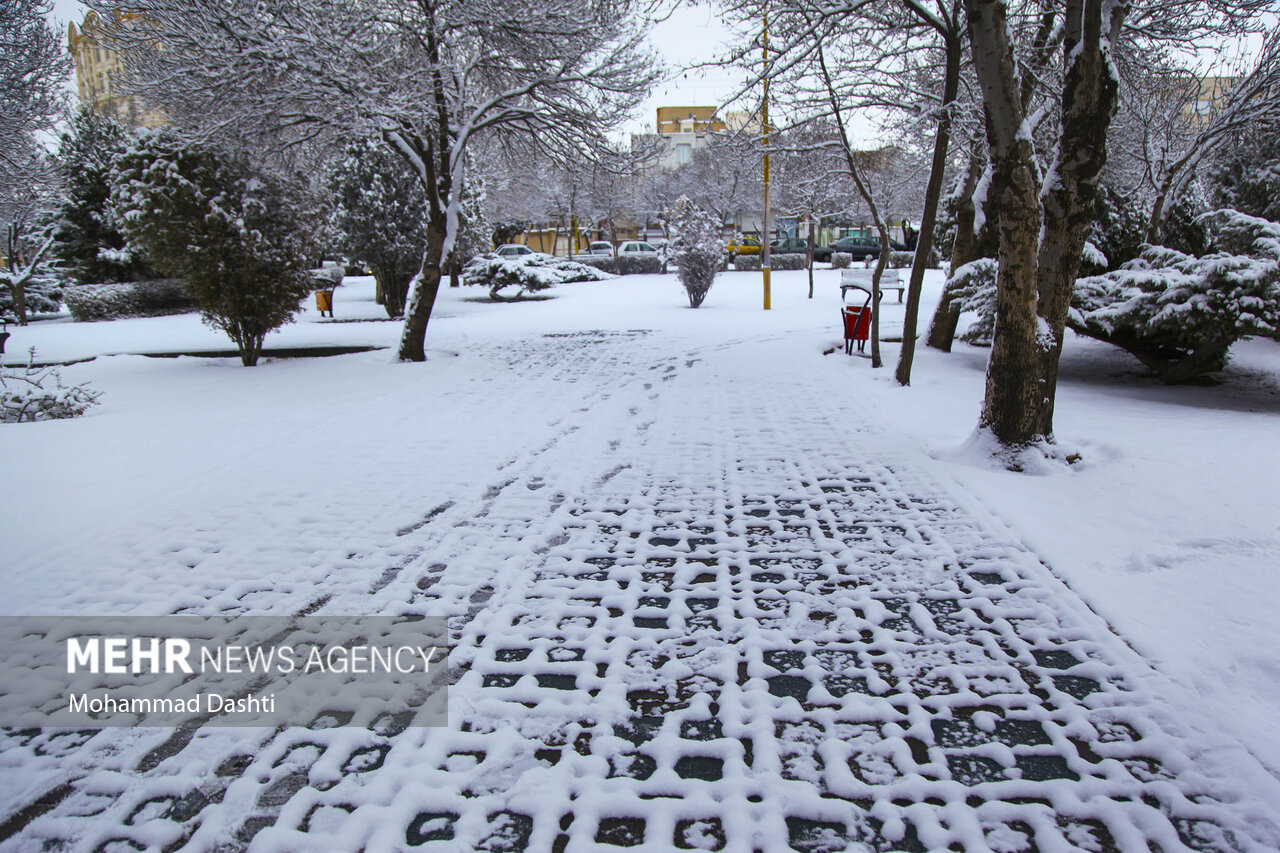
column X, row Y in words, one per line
column 513, row 250
column 860, row 247
column 790, row 246
column 747, row 246
column 637, row 247
column 601, row 247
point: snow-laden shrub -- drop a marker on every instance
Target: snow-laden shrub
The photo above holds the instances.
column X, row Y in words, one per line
column 841, row 261
column 527, row 272
column 640, row 263
column 326, row 278
column 791, row 261
column 41, row 291
column 628, row 263
column 37, row 394
column 973, row 286
column 1119, row 228
column 380, row 216
column 746, row 263
column 901, row 260
column 237, row 236
column 1092, row 260
column 1246, row 173
column 1237, row 233
column 600, row 262
column 1179, row 314
column 698, row 249
column 89, row 302
column 1183, row 229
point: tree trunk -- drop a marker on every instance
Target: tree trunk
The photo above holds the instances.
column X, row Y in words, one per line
column 391, row 288
column 1013, row 386
column 1089, row 101
column 1013, row 389
column 808, row 260
column 946, row 317
column 423, row 291
column 18, row 290
column 933, row 192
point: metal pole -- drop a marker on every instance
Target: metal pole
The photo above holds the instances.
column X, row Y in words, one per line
column 764, row 237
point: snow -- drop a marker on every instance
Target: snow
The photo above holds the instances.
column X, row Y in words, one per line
column 499, row 485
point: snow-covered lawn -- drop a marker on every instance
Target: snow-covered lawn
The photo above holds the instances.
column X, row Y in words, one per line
column 200, row 485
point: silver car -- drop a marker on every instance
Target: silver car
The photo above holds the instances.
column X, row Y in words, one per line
column 512, row 250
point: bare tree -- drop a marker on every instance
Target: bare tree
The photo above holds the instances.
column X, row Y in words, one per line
column 901, row 57
column 859, row 180
column 812, row 179
column 429, row 77
column 1185, row 117
column 33, row 67
column 725, row 176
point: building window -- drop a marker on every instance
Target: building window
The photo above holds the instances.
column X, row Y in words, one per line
column 684, row 153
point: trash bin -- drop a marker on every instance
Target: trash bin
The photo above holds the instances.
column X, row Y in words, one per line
column 324, row 302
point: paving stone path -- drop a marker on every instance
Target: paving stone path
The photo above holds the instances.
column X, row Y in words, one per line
column 701, row 617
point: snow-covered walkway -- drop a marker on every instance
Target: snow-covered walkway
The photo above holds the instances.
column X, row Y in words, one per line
column 700, row 602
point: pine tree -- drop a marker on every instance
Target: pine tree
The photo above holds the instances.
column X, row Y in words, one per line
column 381, row 217
column 87, row 236
column 1180, row 314
column 232, row 233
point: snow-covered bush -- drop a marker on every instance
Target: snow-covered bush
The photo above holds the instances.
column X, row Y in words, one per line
column 234, row 234
column 1179, row 314
column 629, row 263
column 790, row 261
column 1092, row 260
column 600, row 262
column 640, row 263
column 1119, row 228
column 901, row 260
column 698, row 249
column 1246, row 174
column 527, row 272
column 1182, row 228
column 326, row 278
column 37, row 394
column 841, row 261
column 41, row 290
column 746, row 263
column 380, row 216
column 974, row 287
column 88, row 302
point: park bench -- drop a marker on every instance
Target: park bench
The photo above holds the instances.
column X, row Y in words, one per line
column 889, row 280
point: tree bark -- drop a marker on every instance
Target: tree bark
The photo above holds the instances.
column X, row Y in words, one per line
column 391, row 288
column 808, row 260
column 1013, row 383
column 1089, row 101
column 933, row 192
column 423, row 292
column 946, row 317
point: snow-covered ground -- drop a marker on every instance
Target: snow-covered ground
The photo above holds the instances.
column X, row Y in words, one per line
column 202, row 486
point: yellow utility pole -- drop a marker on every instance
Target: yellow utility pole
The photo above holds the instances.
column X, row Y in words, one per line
column 764, row 237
